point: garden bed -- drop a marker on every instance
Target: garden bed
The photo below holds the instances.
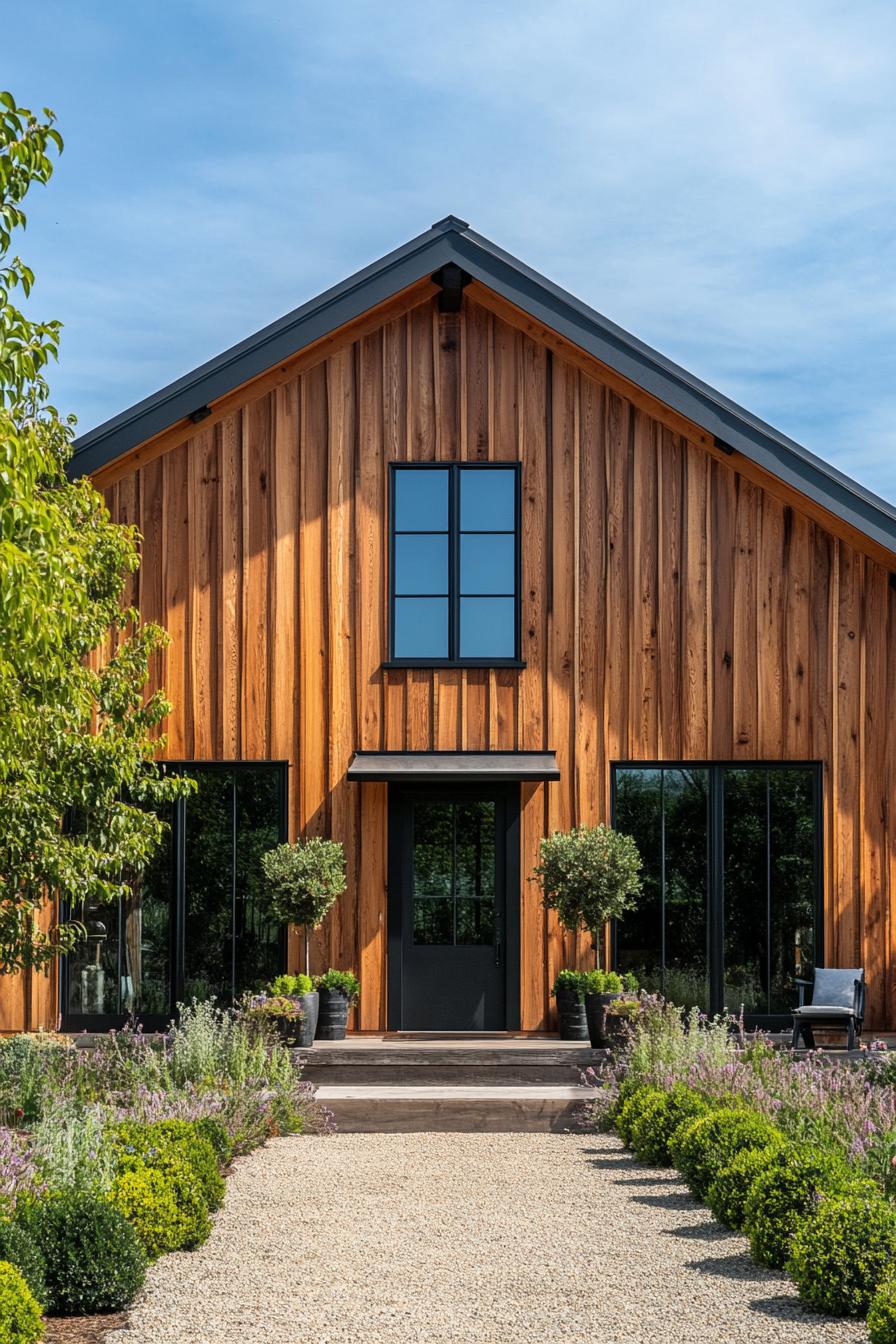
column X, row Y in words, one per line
column 799, row 1154
column 113, row 1156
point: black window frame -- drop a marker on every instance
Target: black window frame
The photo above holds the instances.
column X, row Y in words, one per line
column 454, row 532
column 715, row 892
column 101, row 1022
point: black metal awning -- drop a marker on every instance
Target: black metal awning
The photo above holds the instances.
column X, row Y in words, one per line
column 453, row 767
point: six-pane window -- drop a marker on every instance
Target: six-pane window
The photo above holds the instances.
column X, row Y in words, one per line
column 455, row 563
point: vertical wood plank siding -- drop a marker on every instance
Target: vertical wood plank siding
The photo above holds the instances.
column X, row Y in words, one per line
column 670, row 609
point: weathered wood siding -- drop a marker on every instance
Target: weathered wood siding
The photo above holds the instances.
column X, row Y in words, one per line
column 672, row 608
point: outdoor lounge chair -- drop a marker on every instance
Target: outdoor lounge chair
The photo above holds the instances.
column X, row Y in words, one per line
column 838, row 1001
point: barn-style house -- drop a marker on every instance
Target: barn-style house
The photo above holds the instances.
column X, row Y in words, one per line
column 449, row 562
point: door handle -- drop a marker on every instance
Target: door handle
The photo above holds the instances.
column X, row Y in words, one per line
column 497, row 949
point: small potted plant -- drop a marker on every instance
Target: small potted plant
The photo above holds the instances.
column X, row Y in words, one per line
column 569, row 991
column 279, row 1011
column 303, row 881
column 338, row 990
column 301, row 988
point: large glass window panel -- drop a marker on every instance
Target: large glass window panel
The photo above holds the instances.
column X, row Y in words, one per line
column 639, row 936
column 487, row 499
column 257, row 939
column 731, row 879
column 487, row 627
column 686, row 885
column 487, row 563
column 421, row 564
column 746, row 891
column 421, row 627
column 421, row 500
column 209, row 854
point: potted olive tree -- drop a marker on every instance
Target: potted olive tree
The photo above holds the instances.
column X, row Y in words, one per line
column 590, row 875
column 303, row 881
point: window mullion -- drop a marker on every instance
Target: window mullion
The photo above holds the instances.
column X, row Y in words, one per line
column 454, row 562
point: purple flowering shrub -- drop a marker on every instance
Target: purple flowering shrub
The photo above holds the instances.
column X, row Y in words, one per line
column 818, row 1100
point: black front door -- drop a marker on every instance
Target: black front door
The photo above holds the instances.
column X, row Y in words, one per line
column 453, row 908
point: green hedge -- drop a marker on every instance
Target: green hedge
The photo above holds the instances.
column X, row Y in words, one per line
column 657, row 1119
column 20, row 1318
column 784, row 1194
column 731, row 1188
column 19, row 1249
column 94, row 1260
column 882, row 1314
column 702, row 1148
column 843, row 1252
column 147, row 1199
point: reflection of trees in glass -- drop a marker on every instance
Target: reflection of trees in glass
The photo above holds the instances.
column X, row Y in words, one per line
column 663, row 940
column 229, row 945
column 768, row 901
column 454, row 873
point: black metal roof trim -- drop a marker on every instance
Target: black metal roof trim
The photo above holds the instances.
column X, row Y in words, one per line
column 451, row 240
column 452, row 767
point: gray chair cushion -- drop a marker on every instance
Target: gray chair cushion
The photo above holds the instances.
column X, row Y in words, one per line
column 817, row 1011
column 835, row 988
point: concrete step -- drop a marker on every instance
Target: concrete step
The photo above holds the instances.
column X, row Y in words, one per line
column 532, row 1108
column 405, row 1065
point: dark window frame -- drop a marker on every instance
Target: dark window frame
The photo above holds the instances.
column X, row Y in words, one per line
column 454, row 533
column 716, row 863
column 84, row 1022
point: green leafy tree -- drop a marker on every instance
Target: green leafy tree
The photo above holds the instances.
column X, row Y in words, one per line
column 304, row 880
column 77, row 731
column 589, row 875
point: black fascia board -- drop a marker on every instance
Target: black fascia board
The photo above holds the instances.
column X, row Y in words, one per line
column 451, row 240
column 258, row 353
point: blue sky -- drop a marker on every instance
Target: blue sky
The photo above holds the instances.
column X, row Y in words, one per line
column 717, row 178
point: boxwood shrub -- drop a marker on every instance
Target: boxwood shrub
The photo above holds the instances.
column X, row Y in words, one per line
column 660, row 1116
column 19, row 1249
column 93, row 1258
column 146, row 1198
column 783, row 1194
column 217, row 1135
column 844, row 1251
column 628, row 1108
column 20, row 1318
column 154, row 1146
column 702, row 1148
column 728, row 1193
column 882, row 1314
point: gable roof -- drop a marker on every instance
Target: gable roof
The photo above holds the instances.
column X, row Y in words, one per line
column 452, row 240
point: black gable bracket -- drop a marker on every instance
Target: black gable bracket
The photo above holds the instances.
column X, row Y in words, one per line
column 452, row 279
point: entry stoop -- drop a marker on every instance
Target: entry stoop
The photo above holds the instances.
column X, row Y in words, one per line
column 473, row 1085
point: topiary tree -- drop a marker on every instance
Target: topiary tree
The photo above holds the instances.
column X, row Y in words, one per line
column 589, row 875
column 304, row 880
column 77, row 733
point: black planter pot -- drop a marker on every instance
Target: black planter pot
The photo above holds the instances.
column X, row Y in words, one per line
column 332, row 1018
column 596, row 1014
column 617, row 1030
column 308, row 1025
column 571, row 1015
column 287, row 1028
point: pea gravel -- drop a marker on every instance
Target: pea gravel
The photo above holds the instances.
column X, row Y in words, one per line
column 472, row 1238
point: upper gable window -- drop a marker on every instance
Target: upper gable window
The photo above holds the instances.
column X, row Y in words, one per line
column 455, row 563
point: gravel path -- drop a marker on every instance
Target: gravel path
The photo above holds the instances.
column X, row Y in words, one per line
column 473, row 1239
